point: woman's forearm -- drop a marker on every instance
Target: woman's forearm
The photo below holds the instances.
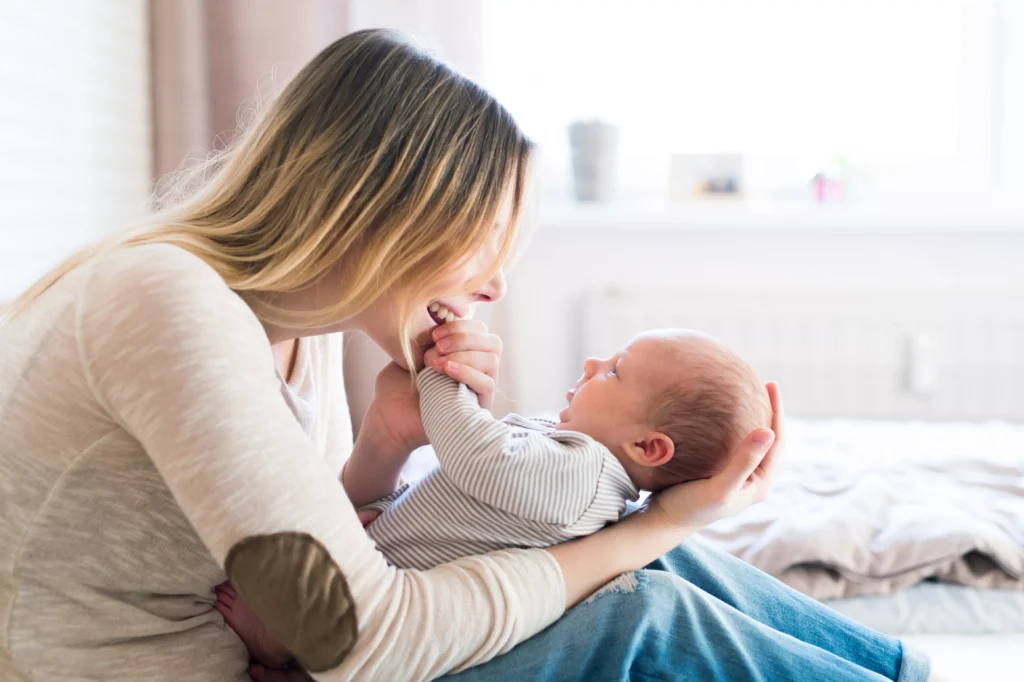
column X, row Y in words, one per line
column 375, row 467
column 632, row 543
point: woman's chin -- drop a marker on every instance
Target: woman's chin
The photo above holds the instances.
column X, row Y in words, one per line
column 422, row 340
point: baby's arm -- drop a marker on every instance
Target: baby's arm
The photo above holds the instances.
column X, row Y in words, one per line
column 527, row 474
column 380, row 506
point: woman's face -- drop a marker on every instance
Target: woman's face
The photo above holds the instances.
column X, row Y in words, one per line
column 459, row 297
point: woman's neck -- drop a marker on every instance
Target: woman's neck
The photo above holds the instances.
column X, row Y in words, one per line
column 285, row 354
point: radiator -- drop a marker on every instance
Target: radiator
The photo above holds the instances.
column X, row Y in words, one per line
column 933, row 355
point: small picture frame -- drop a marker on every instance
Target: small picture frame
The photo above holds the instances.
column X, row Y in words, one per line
column 703, row 176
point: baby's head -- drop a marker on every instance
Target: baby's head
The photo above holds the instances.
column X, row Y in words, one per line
column 670, row 406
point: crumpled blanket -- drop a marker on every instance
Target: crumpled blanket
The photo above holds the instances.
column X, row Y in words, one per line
column 842, row 525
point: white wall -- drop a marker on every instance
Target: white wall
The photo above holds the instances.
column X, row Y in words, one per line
column 74, row 128
column 581, row 251
column 1011, row 96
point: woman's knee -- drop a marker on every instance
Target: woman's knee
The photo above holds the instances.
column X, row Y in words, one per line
column 644, row 600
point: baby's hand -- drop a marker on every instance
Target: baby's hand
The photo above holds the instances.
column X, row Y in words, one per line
column 263, row 646
column 468, row 353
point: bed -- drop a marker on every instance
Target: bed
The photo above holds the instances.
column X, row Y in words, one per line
column 971, row 633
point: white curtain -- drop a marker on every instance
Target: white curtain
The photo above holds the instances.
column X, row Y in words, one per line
column 74, row 129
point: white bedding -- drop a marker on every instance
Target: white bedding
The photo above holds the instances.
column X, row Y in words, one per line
column 912, row 441
column 970, row 634
column 974, row 658
column 850, row 516
column 939, row 609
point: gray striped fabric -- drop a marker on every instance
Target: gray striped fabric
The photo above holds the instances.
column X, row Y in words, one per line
column 511, row 483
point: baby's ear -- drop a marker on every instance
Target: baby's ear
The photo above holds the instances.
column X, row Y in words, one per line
column 653, row 450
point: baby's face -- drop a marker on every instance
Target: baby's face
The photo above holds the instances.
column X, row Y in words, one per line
column 610, row 402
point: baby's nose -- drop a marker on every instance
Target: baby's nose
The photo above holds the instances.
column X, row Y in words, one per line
column 590, row 367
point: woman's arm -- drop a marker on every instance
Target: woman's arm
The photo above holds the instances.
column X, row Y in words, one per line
column 180, row 362
column 390, row 431
column 590, row 562
column 392, row 428
column 674, row 513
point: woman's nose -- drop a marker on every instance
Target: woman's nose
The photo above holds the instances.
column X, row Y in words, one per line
column 494, row 289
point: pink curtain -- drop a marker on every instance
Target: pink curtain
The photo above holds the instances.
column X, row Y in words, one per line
column 210, row 56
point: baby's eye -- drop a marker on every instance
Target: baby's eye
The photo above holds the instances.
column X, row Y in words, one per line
column 614, row 371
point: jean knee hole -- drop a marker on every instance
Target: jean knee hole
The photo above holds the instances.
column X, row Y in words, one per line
column 631, row 581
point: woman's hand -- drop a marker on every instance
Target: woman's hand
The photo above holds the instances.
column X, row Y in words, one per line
column 746, row 480
column 390, row 431
column 468, row 353
column 394, row 412
column 673, row 514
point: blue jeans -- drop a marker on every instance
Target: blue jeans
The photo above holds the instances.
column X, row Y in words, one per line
column 699, row 614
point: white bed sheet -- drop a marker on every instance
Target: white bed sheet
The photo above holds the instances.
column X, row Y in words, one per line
column 939, row 609
column 970, row 634
column 881, row 442
column 974, row 658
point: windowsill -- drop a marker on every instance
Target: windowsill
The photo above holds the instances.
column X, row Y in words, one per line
column 739, row 214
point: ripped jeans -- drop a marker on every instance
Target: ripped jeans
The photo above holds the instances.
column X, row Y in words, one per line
column 700, row 614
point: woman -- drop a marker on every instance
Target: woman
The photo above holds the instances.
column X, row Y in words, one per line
column 172, row 415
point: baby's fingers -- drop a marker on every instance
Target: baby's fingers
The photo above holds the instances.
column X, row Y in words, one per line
column 469, row 341
column 226, row 589
column 367, row 516
column 480, row 383
column 458, row 327
column 482, row 362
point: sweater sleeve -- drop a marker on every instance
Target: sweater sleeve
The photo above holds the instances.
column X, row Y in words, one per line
column 526, row 473
column 180, row 362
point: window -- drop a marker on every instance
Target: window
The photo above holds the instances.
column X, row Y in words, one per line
column 74, row 129
column 907, row 97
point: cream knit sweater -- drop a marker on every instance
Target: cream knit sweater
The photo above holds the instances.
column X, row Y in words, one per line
column 145, row 436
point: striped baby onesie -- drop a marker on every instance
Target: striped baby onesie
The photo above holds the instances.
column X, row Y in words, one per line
column 500, row 484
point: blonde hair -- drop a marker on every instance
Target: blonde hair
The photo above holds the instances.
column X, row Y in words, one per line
column 376, row 162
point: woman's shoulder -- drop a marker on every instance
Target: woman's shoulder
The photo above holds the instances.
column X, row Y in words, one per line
column 149, row 265
column 162, row 283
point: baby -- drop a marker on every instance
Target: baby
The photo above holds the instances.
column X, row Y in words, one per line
column 668, row 408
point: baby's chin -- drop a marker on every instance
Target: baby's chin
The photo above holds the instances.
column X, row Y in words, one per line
column 563, row 418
